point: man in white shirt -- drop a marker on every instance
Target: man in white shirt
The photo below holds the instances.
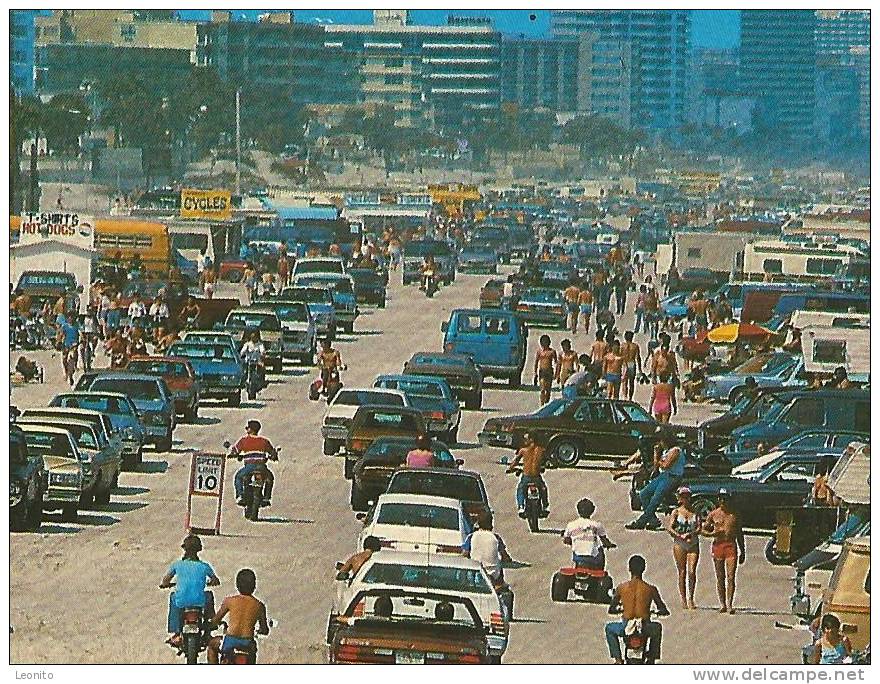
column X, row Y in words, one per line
column 253, row 351
column 587, row 538
column 488, row 548
column 136, row 311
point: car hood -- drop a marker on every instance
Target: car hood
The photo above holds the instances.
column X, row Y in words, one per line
column 60, row 464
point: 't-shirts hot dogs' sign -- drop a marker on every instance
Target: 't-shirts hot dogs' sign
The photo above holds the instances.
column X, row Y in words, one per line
column 205, row 204
column 58, row 225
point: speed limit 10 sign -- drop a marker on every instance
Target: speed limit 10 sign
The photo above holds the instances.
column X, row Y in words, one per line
column 205, row 480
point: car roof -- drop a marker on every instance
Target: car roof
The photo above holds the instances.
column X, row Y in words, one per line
column 35, row 420
column 447, row 472
column 444, row 355
column 404, row 439
column 156, row 358
column 61, row 410
column 422, row 499
column 305, row 260
column 90, row 393
column 39, row 427
column 122, row 375
column 412, row 558
column 410, row 378
column 262, row 310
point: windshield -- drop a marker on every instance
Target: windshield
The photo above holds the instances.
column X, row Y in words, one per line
column 46, row 443
column 158, row 368
column 362, row 397
column 292, row 312
column 461, row 487
column 444, row 579
column 135, row 389
column 424, row 248
column 209, row 338
column 217, row 352
column 418, row 515
column 415, row 388
column 439, row 360
column 548, row 296
column 111, row 405
column 329, row 266
column 251, row 320
column 553, row 409
column 48, row 280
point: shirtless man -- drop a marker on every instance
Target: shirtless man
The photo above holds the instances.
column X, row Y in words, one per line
column 244, row 613
column 585, row 308
column 351, row 567
column 635, row 598
column 598, row 351
column 568, row 363
column 632, row 363
column 571, row 294
column 329, row 359
column 722, row 524
column 545, row 363
column 663, row 362
column 612, row 368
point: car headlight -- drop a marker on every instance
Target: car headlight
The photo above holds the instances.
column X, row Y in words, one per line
column 64, row 478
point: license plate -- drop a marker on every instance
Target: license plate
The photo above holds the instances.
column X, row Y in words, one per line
column 191, row 629
column 412, row 658
column 635, row 653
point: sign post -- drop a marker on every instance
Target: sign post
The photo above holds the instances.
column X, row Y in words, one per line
column 206, row 480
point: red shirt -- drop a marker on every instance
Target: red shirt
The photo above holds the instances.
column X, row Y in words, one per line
column 252, row 444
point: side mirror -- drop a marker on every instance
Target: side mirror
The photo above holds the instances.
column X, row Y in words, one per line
column 444, row 326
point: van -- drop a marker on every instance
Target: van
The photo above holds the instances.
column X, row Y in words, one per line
column 849, row 592
column 830, row 409
column 494, row 338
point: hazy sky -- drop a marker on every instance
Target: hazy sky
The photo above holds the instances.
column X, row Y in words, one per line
column 709, row 28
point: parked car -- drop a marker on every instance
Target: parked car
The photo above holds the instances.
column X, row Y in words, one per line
column 212, row 337
column 121, row 412
column 404, row 638
column 478, row 259
column 825, row 444
column 299, row 336
column 342, row 295
column 433, row 397
column 772, row 369
column 63, row 463
column 826, row 408
column 218, row 367
column 180, row 377
column 320, row 303
column 495, row 339
column 263, row 319
column 100, row 461
column 556, row 274
column 464, row 485
column 572, row 429
column 412, row 522
column 675, row 306
column 27, row 484
column 542, row 306
column 150, row 395
column 372, row 422
column 342, row 408
column 370, row 287
column 459, row 371
column 105, row 432
column 43, row 286
column 374, row 468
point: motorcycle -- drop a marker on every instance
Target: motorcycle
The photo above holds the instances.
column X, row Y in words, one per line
column 254, row 379
column 196, row 630
column 241, row 655
column 534, row 510
column 593, row 585
column 635, row 642
column 331, row 383
column 505, row 595
column 254, row 485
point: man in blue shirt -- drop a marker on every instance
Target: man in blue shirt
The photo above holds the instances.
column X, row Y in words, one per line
column 192, row 577
column 69, row 331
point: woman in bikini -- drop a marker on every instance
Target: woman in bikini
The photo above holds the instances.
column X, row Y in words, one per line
column 545, row 364
column 663, row 399
column 683, row 526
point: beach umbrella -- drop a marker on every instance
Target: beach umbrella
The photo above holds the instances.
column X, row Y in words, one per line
column 738, row 332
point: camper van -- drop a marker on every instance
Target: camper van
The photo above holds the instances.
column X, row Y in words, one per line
column 796, row 261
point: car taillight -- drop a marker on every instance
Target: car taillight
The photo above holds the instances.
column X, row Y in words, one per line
column 358, row 610
column 448, row 548
column 557, row 309
column 522, row 307
column 359, row 445
column 447, row 347
column 497, row 625
column 359, row 652
column 468, row 659
column 436, row 415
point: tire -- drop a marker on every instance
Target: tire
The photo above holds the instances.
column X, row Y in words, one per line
column 252, row 394
column 532, row 517
column 86, row 499
column 348, row 328
column 252, row 512
column 451, row 437
column 515, row 381
column 348, row 469
column 164, row 444
column 703, row 505
column 560, row 586
column 102, row 496
column 382, row 303
column 18, row 516
column 494, row 659
column 234, row 400
column 192, row 650
column 278, row 366
column 357, row 500
column 772, row 556
column 69, row 513
column 330, row 447
column 332, row 628
column 735, row 395
column 192, row 414
column 35, row 514
column 566, row 452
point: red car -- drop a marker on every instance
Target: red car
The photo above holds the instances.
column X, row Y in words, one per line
column 180, row 377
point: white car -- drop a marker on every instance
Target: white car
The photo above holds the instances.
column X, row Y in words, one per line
column 417, row 522
column 445, row 573
column 337, row 420
column 313, row 265
column 298, row 331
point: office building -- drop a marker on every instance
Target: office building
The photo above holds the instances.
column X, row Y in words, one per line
column 21, row 50
column 650, row 46
column 843, row 41
column 778, row 69
column 541, row 73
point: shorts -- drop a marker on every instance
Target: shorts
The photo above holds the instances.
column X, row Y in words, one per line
column 722, row 550
column 612, row 378
column 586, row 309
column 545, row 376
column 231, row 642
column 572, row 307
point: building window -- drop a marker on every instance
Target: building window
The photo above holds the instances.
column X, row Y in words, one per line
column 695, row 253
column 829, row 351
column 772, row 265
column 128, row 32
column 822, row 266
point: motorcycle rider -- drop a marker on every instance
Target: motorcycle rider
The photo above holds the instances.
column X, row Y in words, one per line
column 259, row 450
column 253, row 351
column 488, row 548
column 192, row 575
column 429, row 270
column 531, row 455
column 189, row 313
column 244, row 613
column 329, row 360
column 635, row 598
column 587, row 538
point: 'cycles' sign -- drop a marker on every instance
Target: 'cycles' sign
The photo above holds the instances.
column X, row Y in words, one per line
column 205, row 204
column 59, row 226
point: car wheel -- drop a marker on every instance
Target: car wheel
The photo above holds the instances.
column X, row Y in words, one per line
column 474, row 402
column 86, row 499
column 18, row 516
column 69, row 513
column 735, row 395
column 451, row 437
column 191, row 415
column 348, row 328
column 35, row 514
column 235, row 399
column 348, row 469
column 330, row 447
column 277, row 366
column 164, row 444
column 382, row 303
column 494, row 659
column 102, row 496
column 560, row 586
column 703, row 505
column 772, row 556
column 566, row 452
column 515, row 380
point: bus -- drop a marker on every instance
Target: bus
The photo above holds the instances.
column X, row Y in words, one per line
column 124, row 238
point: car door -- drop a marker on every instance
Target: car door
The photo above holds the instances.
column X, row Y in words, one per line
column 598, row 427
column 632, row 421
column 787, row 485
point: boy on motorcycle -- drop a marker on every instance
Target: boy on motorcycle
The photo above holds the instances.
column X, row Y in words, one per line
column 259, row 450
column 244, row 613
column 587, row 538
column 532, row 456
column 193, row 575
column 635, row 597
column 488, row 548
column 329, row 360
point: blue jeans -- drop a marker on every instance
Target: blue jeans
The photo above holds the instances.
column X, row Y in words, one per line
column 245, row 471
column 640, row 320
column 524, row 481
column 615, row 631
column 652, row 496
column 175, row 614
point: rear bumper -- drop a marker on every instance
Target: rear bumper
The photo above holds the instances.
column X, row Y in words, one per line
column 337, row 433
column 495, row 439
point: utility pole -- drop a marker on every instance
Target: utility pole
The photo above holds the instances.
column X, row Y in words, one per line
column 237, row 141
